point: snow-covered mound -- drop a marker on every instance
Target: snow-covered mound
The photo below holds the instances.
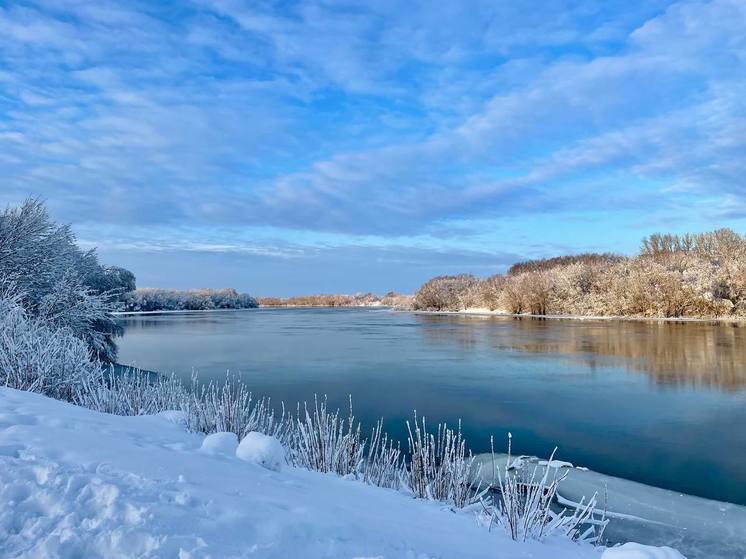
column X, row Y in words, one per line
column 76, row 483
column 701, row 528
column 263, row 450
column 220, row 443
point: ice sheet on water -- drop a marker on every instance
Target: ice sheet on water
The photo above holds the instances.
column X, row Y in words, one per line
column 637, row 551
column 700, row 528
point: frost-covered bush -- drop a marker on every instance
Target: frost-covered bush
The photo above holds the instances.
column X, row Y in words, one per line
column 131, row 392
column 230, row 407
column 57, row 280
column 38, row 356
column 385, row 464
column 439, row 467
column 525, row 505
column 448, row 293
column 323, row 440
column 71, row 305
column 397, row 301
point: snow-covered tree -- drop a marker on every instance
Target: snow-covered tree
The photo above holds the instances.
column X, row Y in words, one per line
column 57, row 280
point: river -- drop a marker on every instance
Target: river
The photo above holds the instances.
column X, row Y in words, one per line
column 659, row 403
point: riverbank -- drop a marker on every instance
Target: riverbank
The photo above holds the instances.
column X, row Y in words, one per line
column 483, row 312
column 78, row 483
column 370, row 305
column 264, row 307
column 182, row 311
column 472, row 312
column 475, row 312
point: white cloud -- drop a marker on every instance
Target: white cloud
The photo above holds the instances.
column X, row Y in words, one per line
column 334, row 116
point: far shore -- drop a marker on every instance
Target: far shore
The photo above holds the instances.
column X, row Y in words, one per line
column 497, row 313
column 474, row 312
column 181, row 311
column 184, row 311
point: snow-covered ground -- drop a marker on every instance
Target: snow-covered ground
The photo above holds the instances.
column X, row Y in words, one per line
column 76, row 483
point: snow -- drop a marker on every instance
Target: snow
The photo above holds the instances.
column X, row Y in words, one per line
column 77, row 483
column 263, row 450
column 220, row 443
column 174, row 416
column 700, row 528
column 557, row 464
column 637, row 551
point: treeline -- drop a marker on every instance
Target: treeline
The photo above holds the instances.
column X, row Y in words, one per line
column 391, row 299
column 148, row 300
column 56, row 284
column 698, row 276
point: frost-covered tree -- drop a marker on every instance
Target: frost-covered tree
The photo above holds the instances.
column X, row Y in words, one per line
column 111, row 279
column 57, row 280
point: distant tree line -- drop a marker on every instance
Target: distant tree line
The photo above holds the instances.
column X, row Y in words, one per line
column 391, row 299
column 701, row 275
column 148, row 299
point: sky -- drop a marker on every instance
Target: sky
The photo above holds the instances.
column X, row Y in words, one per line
column 340, row 146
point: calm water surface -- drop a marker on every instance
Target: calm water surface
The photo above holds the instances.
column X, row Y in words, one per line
column 659, row 403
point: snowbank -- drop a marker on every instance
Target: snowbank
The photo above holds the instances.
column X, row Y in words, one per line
column 262, row 450
column 76, row 483
column 220, row 443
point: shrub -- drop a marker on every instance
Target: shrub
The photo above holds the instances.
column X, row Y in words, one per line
column 384, row 462
column 439, row 467
column 448, row 293
column 130, row 392
column 230, row 407
column 39, row 357
column 523, row 505
column 398, row 301
column 528, row 292
column 324, row 441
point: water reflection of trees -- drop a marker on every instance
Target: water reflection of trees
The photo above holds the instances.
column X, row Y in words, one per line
column 672, row 353
column 157, row 321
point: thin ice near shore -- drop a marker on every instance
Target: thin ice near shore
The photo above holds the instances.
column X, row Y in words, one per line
column 701, row 528
column 77, row 483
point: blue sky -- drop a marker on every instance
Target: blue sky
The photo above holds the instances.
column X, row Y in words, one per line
column 294, row 147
